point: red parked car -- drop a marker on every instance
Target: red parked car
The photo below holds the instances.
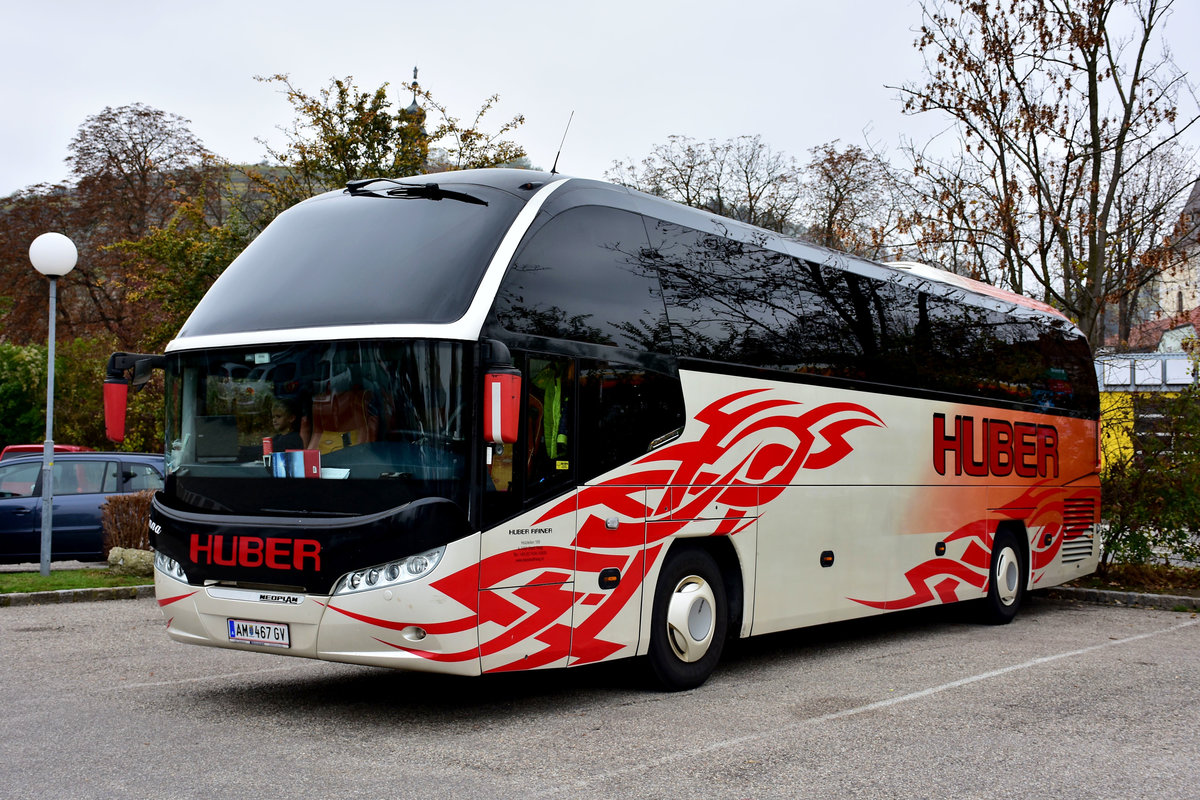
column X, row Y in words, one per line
column 14, row 450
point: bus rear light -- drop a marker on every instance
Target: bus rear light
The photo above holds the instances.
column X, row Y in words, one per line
column 392, row 573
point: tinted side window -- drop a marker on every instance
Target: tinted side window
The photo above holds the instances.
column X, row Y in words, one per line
column 84, row 477
column 732, row 301
column 542, row 461
column 623, row 410
column 1070, row 374
column 583, row 276
column 18, row 480
column 985, row 352
column 550, row 424
column 719, row 306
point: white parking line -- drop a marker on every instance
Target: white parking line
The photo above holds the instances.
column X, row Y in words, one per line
column 891, row 701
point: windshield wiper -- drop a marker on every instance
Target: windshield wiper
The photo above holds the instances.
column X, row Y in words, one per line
column 426, row 191
column 300, row 512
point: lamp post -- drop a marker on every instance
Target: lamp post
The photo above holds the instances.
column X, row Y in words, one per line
column 53, row 255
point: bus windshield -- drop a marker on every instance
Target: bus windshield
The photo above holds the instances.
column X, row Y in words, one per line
column 326, row 428
column 340, row 259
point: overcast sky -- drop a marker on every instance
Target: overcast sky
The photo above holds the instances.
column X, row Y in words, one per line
column 797, row 72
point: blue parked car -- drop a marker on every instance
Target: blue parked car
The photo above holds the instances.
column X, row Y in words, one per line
column 82, row 484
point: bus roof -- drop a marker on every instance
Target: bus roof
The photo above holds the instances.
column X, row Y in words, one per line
column 418, row 256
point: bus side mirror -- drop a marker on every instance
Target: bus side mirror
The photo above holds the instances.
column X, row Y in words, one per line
column 116, row 387
column 501, row 406
column 116, row 397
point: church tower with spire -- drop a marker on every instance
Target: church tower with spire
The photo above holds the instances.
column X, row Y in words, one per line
column 416, row 138
column 1179, row 288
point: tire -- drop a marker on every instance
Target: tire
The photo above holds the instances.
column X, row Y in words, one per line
column 1006, row 580
column 690, row 620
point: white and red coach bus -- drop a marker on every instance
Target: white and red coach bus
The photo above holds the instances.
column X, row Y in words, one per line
column 505, row 420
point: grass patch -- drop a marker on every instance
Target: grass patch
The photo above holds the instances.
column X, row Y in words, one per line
column 11, row 582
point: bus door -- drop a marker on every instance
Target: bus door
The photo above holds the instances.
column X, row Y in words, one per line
column 527, row 564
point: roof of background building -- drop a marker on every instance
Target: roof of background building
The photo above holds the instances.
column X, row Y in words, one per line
column 1145, row 338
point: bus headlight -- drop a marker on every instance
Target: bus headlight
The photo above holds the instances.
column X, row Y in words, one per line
column 169, row 566
column 402, row 570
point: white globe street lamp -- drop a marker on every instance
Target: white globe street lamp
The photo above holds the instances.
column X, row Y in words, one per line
column 53, row 255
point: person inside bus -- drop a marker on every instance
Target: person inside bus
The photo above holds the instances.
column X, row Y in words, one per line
column 285, row 421
column 548, row 402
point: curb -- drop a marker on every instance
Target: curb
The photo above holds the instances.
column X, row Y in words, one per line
column 77, row 595
column 1170, row 602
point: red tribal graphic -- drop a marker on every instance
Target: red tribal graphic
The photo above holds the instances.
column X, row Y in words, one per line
column 750, row 448
column 745, row 457
column 1040, row 508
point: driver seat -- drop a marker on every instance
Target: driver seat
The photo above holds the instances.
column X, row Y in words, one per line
column 342, row 419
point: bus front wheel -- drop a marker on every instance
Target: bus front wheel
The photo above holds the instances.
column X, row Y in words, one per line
column 689, row 621
column 1006, row 580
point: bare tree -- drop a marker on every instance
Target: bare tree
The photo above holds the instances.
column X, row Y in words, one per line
column 131, row 166
column 1142, row 248
column 1059, row 105
column 740, row 178
column 850, row 201
column 23, row 292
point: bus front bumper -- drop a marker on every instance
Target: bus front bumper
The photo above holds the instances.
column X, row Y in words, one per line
column 412, row 626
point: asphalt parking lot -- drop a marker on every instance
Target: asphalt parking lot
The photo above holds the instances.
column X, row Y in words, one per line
column 1071, row 700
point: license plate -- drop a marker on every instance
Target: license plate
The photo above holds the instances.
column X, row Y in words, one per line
column 272, row 634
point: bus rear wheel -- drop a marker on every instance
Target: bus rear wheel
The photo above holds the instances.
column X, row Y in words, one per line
column 689, row 621
column 1006, row 580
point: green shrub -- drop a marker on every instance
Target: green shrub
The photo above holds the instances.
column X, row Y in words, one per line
column 22, row 394
column 78, row 397
column 79, row 400
column 1151, row 491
